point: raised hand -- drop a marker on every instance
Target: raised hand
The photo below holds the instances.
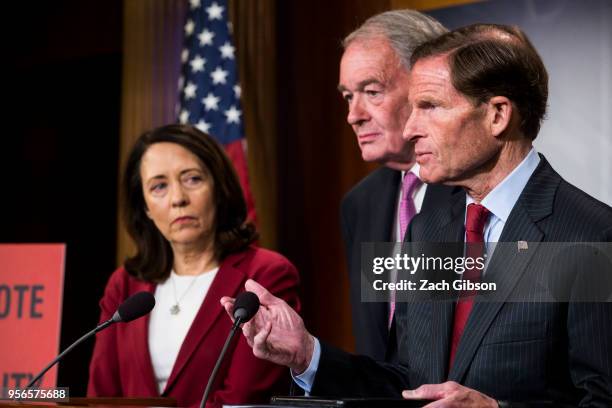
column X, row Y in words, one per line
column 277, row 332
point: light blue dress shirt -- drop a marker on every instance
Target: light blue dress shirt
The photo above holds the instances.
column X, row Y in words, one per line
column 499, row 202
column 502, row 199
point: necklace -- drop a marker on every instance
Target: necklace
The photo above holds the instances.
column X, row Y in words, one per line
column 176, row 308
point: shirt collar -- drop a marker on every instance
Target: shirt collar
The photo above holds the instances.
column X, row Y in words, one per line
column 414, row 169
column 502, row 198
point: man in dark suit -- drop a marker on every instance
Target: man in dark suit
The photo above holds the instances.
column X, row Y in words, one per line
column 478, row 96
column 373, row 80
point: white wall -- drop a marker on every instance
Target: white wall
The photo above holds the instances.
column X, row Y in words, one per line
column 574, row 38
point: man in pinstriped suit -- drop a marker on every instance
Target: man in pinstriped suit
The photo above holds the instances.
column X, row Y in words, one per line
column 478, row 96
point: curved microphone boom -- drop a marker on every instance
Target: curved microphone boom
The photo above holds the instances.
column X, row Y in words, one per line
column 245, row 307
column 137, row 305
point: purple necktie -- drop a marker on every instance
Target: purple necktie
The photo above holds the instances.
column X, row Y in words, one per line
column 407, row 211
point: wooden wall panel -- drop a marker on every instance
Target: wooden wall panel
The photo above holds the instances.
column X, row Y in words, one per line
column 318, row 157
column 255, row 38
column 152, row 36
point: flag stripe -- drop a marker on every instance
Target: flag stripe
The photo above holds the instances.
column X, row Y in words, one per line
column 209, row 87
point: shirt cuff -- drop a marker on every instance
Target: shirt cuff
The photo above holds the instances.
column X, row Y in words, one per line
column 306, row 379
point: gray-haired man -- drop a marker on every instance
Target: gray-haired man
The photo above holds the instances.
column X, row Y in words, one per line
column 374, row 82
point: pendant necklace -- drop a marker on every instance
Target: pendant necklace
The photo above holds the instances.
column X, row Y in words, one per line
column 176, row 308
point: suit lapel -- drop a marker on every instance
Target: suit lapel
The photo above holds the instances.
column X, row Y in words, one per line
column 507, row 264
column 140, row 341
column 438, row 196
column 450, row 229
column 383, row 205
column 506, row 268
column 228, row 281
column 441, row 325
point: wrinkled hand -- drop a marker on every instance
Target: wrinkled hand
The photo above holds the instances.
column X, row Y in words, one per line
column 450, row 395
column 276, row 333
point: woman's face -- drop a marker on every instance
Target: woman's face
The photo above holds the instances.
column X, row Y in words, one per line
column 178, row 193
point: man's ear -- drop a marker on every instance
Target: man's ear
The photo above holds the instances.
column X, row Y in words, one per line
column 500, row 112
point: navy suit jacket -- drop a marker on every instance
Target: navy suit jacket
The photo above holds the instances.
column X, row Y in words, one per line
column 513, row 351
column 367, row 214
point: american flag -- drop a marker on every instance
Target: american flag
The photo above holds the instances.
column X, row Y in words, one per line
column 209, row 88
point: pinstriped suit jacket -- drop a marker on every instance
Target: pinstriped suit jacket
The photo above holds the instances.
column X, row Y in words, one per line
column 367, row 215
column 510, row 351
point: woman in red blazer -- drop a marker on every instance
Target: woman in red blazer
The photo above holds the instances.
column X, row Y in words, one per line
column 185, row 210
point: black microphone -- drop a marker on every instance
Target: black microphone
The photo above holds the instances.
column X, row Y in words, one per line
column 245, row 307
column 137, row 305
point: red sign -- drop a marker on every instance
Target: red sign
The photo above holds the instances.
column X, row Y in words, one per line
column 31, row 288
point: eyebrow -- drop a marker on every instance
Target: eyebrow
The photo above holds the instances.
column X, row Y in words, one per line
column 360, row 85
column 161, row 176
column 153, row 179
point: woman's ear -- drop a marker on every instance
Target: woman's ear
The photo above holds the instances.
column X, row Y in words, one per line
column 500, row 114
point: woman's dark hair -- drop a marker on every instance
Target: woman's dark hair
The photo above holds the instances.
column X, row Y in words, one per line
column 153, row 260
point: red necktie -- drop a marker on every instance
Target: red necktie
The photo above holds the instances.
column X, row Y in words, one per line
column 476, row 218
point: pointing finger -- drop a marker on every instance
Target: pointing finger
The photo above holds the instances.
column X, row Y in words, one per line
column 265, row 297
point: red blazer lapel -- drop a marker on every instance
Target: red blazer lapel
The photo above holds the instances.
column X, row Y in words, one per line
column 228, row 282
column 140, row 342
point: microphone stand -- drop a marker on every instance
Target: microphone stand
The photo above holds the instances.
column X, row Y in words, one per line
column 211, row 379
column 101, row 326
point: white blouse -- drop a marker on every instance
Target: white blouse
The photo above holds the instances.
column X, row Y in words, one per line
column 167, row 330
